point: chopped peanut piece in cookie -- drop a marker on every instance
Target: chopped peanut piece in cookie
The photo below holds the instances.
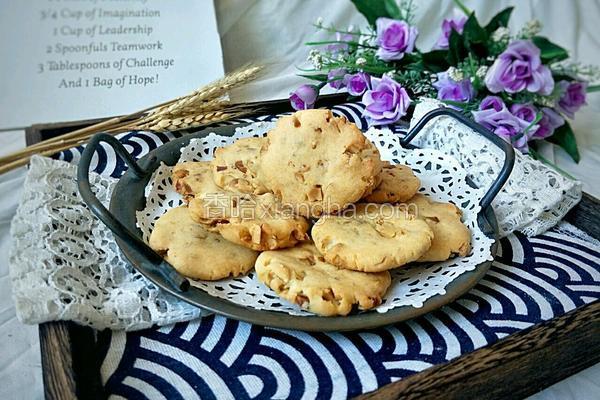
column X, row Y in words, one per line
column 301, row 276
column 372, row 238
column 318, row 163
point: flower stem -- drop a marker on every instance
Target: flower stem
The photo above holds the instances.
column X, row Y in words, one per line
column 333, row 30
column 463, row 8
column 592, row 89
column 537, row 119
column 339, row 41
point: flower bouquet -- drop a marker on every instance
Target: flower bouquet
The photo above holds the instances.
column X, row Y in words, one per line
column 520, row 86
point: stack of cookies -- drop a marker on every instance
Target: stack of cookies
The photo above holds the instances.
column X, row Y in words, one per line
column 313, row 209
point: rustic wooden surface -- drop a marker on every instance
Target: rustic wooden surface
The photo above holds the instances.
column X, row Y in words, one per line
column 585, row 215
column 70, row 364
column 57, row 361
column 514, row 367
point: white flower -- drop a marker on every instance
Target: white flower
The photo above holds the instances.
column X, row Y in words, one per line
column 367, row 40
column 319, row 22
column 316, row 58
column 361, row 61
column 501, row 34
column 531, row 28
column 482, row 71
column 456, row 74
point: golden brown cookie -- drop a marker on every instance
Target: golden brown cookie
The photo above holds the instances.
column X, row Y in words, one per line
column 254, row 221
column 196, row 252
column 301, row 276
column 451, row 236
column 318, row 163
column 398, row 183
column 235, row 166
column 372, row 238
column 258, row 222
column 193, row 177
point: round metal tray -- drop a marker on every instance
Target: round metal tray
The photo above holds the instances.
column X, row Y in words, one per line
column 128, row 197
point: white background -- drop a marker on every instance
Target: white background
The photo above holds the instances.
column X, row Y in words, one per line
column 272, row 32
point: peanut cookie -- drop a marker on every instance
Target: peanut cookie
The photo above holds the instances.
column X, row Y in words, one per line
column 451, row 236
column 191, row 177
column 254, row 221
column 372, row 237
column 301, row 276
column 398, row 183
column 235, row 166
column 318, row 163
column 196, row 252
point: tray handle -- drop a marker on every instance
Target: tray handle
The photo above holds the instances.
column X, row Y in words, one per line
column 154, row 266
column 509, row 152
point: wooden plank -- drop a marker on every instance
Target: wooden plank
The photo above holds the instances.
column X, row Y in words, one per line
column 57, row 361
column 585, row 215
column 70, row 363
column 515, row 367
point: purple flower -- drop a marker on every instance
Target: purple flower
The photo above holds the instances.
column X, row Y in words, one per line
column 549, row 122
column 492, row 102
column 526, row 112
column 394, row 38
column 304, row 97
column 386, row 103
column 335, row 77
column 504, row 124
column 448, row 25
column 520, row 143
column 335, row 48
column 572, row 97
column 357, row 83
column 518, row 68
column 449, row 89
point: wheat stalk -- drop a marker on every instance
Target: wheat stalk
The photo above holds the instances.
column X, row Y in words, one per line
column 206, row 105
column 198, row 121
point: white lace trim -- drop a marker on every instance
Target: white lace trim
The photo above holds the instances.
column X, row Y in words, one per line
column 441, row 177
column 535, row 198
column 65, row 264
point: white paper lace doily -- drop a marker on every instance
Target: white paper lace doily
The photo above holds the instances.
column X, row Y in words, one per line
column 441, row 177
column 535, row 197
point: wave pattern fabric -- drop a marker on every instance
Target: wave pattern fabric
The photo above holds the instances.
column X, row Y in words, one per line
column 532, row 280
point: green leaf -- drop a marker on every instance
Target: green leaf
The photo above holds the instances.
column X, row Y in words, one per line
column 473, row 32
column 315, row 77
column 456, row 48
column 392, row 9
column 408, row 60
column 550, row 52
column 562, row 77
column 565, row 138
column 373, row 9
column 435, row 60
column 498, row 20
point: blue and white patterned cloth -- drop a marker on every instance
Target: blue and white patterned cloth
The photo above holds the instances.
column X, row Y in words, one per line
column 532, row 280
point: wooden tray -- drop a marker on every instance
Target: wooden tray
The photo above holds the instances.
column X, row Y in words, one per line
column 516, row 366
